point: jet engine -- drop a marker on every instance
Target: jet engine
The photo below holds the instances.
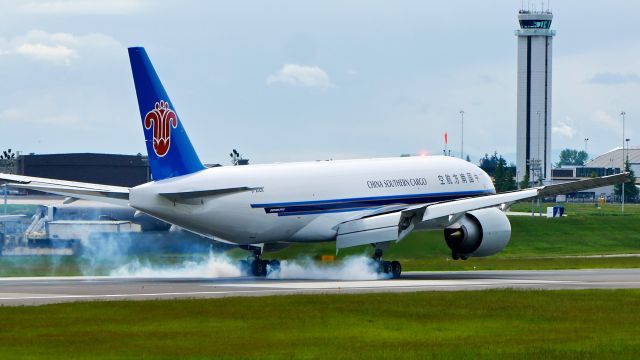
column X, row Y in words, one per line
column 478, row 233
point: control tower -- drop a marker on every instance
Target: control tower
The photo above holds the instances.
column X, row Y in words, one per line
column 534, row 96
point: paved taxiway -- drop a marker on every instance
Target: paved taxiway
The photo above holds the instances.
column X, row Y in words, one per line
column 46, row 290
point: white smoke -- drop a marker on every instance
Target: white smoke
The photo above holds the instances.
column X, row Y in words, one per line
column 219, row 265
column 351, row 268
column 216, row 265
column 115, row 255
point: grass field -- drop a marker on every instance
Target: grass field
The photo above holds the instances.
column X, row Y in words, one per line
column 443, row 325
column 582, row 208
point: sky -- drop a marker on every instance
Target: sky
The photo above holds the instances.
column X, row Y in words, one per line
column 307, row 80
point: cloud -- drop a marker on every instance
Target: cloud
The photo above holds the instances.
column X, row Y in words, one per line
column 56, row 53
column 34, row 115
column 563, row 129
column 607, row 121
column 56, row 48
column 612, row 78
column 301, row 75
column 83, row 7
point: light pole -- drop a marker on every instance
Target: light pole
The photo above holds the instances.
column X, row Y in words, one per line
column 622, row 113
column 586, row 140
column 538, row 155
column 625, row 165
column 462, row 134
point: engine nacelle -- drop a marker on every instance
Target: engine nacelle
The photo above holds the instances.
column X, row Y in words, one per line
column 479, row 233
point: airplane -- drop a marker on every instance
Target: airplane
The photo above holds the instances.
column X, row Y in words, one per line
column 263, row 208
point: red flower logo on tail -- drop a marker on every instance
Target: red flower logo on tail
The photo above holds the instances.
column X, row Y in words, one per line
column 162, row 119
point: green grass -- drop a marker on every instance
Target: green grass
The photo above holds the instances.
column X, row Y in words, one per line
column 491, row 324
column 582, row 208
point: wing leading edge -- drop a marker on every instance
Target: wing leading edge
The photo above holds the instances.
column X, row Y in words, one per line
column 77, row 190
column 395, row 226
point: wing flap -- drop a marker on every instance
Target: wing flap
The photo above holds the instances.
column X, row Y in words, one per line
column 369, row 230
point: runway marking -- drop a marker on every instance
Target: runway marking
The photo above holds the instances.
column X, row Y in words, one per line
column 109, row 277
column 45, row 297
column 389, row 283
column 283, row 289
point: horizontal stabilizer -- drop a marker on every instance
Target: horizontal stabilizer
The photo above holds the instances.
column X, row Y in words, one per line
column 188, row 195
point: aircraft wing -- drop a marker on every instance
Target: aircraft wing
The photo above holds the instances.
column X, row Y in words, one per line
column 396, row 225
column 76, row 190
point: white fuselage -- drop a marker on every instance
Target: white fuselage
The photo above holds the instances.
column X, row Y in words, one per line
column 304, row 202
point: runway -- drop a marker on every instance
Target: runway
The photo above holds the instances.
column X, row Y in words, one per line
column 48, row 290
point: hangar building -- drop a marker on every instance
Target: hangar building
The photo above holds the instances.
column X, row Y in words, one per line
column 107, row 169
column 614, row 158
column 608, row 163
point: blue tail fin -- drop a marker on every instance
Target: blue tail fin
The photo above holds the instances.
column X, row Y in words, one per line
column 170, row 151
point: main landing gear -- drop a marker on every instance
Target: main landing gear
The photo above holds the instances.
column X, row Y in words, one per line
column 394, row 268
column 256, row 266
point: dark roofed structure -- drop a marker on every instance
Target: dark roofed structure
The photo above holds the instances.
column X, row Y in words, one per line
column 107, row 169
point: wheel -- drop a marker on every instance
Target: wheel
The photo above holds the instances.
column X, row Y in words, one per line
column 385, row 267
column 455, row 256
column 464, row 257
column 274, row 265
column 396, row 269
column 255, row 267
column 261, row 267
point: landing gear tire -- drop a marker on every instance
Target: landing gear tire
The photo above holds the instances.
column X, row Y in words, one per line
column 259, row 267
column 274, row 265
column 463, row 257
column 392, row 268
column 396, row 269
column 455, row 256
column 385, row 267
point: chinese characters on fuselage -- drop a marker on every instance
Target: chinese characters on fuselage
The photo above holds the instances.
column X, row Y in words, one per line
column 458, row 178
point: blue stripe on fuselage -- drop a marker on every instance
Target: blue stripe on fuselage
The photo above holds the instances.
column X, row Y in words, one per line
column 362, row 203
